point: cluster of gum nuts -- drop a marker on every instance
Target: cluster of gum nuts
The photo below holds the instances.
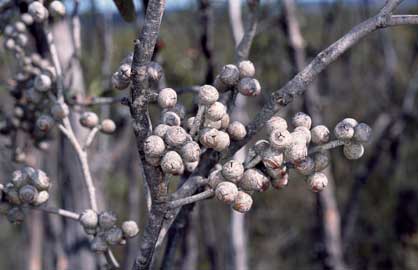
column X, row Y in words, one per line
column 35, row 78
column 105, row 230
column 176, row 143
column 28, row 187
column 234, row 182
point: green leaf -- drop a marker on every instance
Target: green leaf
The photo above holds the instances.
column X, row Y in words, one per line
column 126, row 9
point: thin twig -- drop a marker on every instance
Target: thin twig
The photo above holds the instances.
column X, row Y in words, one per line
column 192, row 199
column 91, row 137
column 59, row 212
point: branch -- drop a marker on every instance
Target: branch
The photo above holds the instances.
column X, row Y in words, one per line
column 91, row 137
column 192, row 199
column 297, row 86
column 59, row 212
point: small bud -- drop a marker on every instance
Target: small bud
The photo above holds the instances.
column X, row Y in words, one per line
column 130, row 229
column 243, row 202
column 190, row 152
column 305, row 166
column 38, row 11
column 15, row 215
column 215, row 178
column 246, row 69
column 118, row 82
column 172, row 163
column 175, row 136
column 107, row 220
column 28, row 194
column 229, row 75
column 57, row 8
column 254, row 180
column 353, row 151
column 10, row 44
column 276, row 123
column 222, row 141
column 208, row 95
column 89, row 119
column 89, row 219
column 320, row 134
column 167, row 98
column 237, row 131
column 8, row 30
column 226, row 192
column 351, row 121
column 317, row 181
column 208, row 137
column 272, row 158
column 249, row 87
column 233, row 171
column 306, row 133
column 42, row 83
column 280, row 139
column 225, row 121
column 296, row 152
column 42, row 198
column 154, row 146
column 99, row 244
column 155, row 71
column 216, row 111
column 108, row 126
column 302, row 120
column 160, row 130
column 59, row 111
column 44, row 123
column 113, row 236
column 321, row 161
column 171, row 119
column 344, row 131
column 362, row 133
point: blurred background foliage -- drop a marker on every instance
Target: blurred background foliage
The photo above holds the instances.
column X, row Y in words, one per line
column 283, row 225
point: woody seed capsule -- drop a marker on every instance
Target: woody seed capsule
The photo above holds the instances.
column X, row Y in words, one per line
column 154, row 146
column 353, row 150
column 237, row 130
column 155, row 71
column 344, row 131
column 190, row 152
column 130, row 229
column 175, row 136
column 89, row 219
column 317, row 181
column 225, row 121
column 44, row 123
column 306, row 166
column 302, row 120
column 160, row 130
column 118, row 82
column 246, row 69
column 42, row 197
column 191, row 166
column 254, row 180
column 233, row 171
column 57, row 8
column 89, row 119
column 222, row 141
column 296, row 152
column 216, row 111
column 108, row 126
column 59, row 111
column 243, row 202
column 320, row 134
column 272, row 158
column 276, row 123
column 226, row 192
column 306, row 133
column 215, row 178
column 212, row 124
column 171, row 119
column 38, row 11
column 280, row 139
column 167, row 98
column 249, row 87
column 172, row 163
column 113, row 236
column 208, row 95
column 229, row 75
column 42, row 82
column 351, row 121
column 107, row 220
column 28, row 194
column 208, row 137
column 219, row 84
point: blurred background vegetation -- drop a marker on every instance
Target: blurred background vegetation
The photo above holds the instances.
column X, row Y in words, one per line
column 283, row 228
